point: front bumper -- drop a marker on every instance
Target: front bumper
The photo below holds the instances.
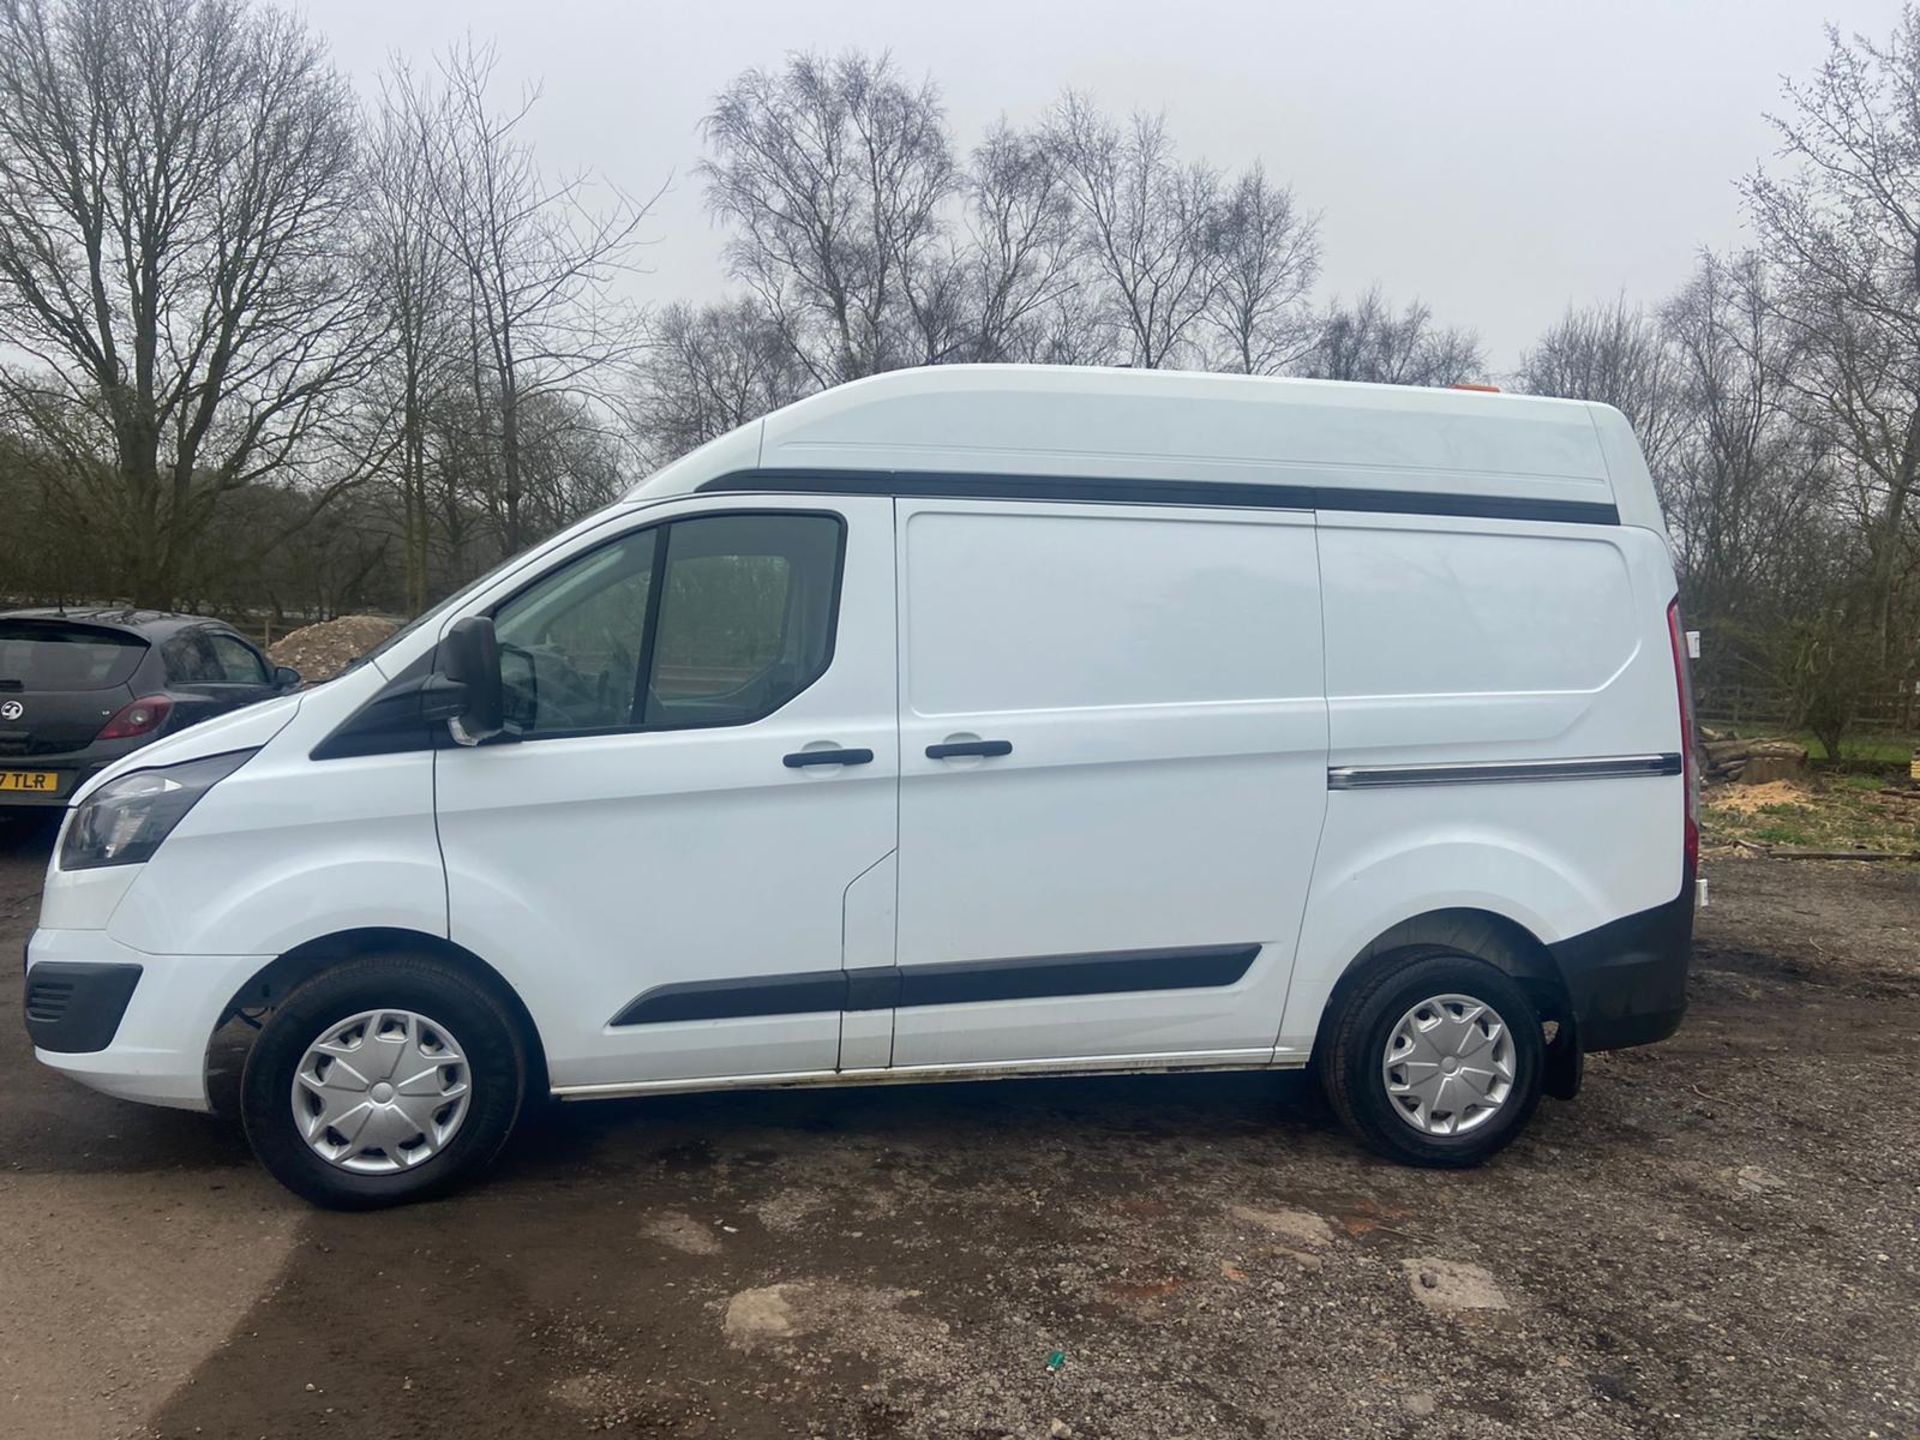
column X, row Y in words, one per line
column 1627, row 981
column 156, row 1052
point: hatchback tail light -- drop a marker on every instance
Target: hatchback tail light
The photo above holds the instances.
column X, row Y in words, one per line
column 1683, row 686
column 142, row 717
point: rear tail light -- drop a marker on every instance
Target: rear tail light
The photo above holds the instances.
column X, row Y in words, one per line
column 142, row 717
column 1683, row 687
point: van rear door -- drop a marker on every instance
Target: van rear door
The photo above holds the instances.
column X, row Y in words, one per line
column 1113, row 774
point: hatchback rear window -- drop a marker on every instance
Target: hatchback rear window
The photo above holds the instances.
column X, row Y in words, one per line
column 52, row 655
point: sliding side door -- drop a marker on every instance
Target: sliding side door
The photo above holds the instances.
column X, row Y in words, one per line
column 1112, row 778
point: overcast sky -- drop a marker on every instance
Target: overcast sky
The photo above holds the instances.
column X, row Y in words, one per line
column 1496, row 159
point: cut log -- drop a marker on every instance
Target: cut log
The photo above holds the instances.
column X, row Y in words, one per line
column 1754, row 762
column 1773, row 760
column 1782, row 852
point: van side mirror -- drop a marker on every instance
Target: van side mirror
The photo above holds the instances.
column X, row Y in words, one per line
column 285, row 677
column 470, row 658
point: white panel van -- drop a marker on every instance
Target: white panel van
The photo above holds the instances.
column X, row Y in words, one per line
column 963, row 722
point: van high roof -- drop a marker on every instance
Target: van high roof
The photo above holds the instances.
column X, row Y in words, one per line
column 1301, row 443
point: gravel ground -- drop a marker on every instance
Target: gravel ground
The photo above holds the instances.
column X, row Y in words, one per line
column 1718, row 1238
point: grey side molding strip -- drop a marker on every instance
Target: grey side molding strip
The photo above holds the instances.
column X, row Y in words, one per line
column 1595, row 767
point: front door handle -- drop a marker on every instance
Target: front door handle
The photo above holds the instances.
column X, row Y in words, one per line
column 827, row 757
column 969, row 747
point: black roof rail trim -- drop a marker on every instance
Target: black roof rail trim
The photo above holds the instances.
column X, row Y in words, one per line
column 930, row 484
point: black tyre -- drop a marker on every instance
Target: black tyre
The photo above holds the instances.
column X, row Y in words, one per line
column 386, row 1079
column 1434, row 1058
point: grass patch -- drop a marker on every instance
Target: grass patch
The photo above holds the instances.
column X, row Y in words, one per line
column 1863, row 749
column 1868, row 784
column 1824, row 812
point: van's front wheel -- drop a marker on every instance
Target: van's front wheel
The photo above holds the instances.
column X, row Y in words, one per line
column 1435, row 1059
column 383, row 1080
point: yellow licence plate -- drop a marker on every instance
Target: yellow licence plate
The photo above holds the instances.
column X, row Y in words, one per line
column 42, row 782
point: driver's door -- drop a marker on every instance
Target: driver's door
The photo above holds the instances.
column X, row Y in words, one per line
column 704, row 760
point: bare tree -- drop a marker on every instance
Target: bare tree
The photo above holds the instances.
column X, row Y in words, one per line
column 1747, row 477
column 177, row 209
column 1149, row 225
column 1268, row 259
column 1069, row 329
column 413, row 278
column 1021, row 246
column 1842, row 229
column 572, row 461
column 45, row 556
column 708, row 371
column 835, row 172
column 1619, row 356
column 1769, row 563
column 1368, row 341
column 538, row 262
column 1084, row 241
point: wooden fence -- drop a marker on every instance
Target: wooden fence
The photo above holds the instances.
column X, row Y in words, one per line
column 1737, row 704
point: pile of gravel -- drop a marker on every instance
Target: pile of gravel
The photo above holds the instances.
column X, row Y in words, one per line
column 322, row 651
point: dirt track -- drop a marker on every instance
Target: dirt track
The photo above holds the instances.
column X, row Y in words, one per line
column 1721, row 1237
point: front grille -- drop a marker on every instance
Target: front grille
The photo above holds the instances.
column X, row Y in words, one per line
column 48, row 999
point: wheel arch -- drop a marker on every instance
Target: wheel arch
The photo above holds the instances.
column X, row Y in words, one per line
column 1486, row 935
column 267, row 986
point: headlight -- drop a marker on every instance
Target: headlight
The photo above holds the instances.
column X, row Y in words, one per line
column 124, row 821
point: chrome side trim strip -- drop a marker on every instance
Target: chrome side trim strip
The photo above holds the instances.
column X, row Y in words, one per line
column 1595, row 767
column 1163, row 1064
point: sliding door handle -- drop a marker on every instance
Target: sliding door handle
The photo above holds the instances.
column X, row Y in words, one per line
column 953, row 748
column 827, row 757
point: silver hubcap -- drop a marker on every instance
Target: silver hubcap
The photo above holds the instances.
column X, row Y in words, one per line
column 1449, row 1065
column 381, row 1092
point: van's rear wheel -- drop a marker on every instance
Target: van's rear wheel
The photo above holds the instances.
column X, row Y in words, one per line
column 386, row 1079
column 1436, row 1058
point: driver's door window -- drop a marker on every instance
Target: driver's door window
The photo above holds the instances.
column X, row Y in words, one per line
column 714, row 620
column 570, row 646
